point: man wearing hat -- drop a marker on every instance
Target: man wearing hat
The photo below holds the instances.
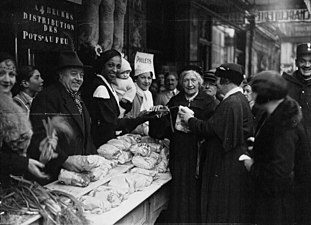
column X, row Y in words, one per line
column 209, row 83
column 224, row 191
column 63, row 99
column 299, row 83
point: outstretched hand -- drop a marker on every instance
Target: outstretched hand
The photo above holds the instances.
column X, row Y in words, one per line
column 34, row 167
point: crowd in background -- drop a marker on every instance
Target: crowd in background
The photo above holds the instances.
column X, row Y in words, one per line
column 239, row 147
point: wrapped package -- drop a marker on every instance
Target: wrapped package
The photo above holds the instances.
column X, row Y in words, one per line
column 98, row 173
column 148, row 139
column 73, row 178
column 109, row 151
column 155, row 147
column 144, row 162
column 112, row 195
column 151, row 173
column 123, row 184
column 140, row 181
column 131, row 138
column 162, row 166
column 120, row 144
column 95, row 205
column 125, row 157
column 142, row 149
column 98, row 160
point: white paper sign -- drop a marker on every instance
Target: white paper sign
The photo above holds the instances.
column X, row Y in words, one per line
column 144, row 60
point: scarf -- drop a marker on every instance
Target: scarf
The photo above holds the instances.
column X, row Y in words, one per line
column 147, row 102
column 76, row 97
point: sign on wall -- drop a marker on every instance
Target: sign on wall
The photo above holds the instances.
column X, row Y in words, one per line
column 44, row 24
column 285, row 15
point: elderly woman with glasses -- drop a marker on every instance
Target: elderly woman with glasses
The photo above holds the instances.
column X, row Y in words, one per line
column 184, row 147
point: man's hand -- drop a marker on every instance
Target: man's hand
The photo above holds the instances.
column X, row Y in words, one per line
column 34, row 167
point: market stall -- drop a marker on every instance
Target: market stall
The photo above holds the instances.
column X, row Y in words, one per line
column 127, row 183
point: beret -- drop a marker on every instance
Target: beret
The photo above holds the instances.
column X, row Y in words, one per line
column 269, row 85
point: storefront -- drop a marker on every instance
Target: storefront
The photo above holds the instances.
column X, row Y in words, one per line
column 36, row 31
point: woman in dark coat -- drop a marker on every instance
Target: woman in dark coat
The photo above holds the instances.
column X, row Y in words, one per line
column 184, row 146
column 225, row 189
column 280, row 152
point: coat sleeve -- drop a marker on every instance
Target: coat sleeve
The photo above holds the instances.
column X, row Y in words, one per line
column 12, row 163
column 45, row 106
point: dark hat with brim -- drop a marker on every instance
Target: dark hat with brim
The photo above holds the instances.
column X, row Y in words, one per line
column 231, row 71
column 68, row 59
column 303, row 49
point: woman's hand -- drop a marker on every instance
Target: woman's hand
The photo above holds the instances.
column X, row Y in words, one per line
column 34, row 167
column 248, row 163
column 185, row 114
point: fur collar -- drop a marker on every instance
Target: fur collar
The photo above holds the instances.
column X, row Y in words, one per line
column 288, row 114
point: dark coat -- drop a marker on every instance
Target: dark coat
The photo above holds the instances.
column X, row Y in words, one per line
column 55, row 100
column 225, row 188
column 300, row 90
column 11, row 163
column 280, row 153
column 184, row 195
column 105, row 113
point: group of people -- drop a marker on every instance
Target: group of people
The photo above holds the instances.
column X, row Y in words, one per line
column 244, row 155
column 229, row 162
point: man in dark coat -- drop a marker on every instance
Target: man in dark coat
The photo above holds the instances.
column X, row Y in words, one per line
column 280, row 154
column 224, row 191
column 299, row 83
column 62, row 99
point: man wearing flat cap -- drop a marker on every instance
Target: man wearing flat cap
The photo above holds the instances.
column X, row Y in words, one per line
column 209, row 83
column 224, row 191
column 299, row 83
column 63, row 99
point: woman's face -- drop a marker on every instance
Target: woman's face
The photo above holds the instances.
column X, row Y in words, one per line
column 7, row 76
column 112, row 68
column 190, row 84
column 144, row 81
column 35, row 83
column 161, row 79
column 247, row 91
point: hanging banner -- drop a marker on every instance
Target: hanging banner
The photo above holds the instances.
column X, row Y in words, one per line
column 285, row 15
column 144, row 62
column 48, row 25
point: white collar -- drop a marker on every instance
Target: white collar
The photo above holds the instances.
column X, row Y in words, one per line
column 233, row 91
column 108, row 84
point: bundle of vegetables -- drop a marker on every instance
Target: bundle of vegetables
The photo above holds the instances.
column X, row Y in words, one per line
column 26, row 197
column 53, row 126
